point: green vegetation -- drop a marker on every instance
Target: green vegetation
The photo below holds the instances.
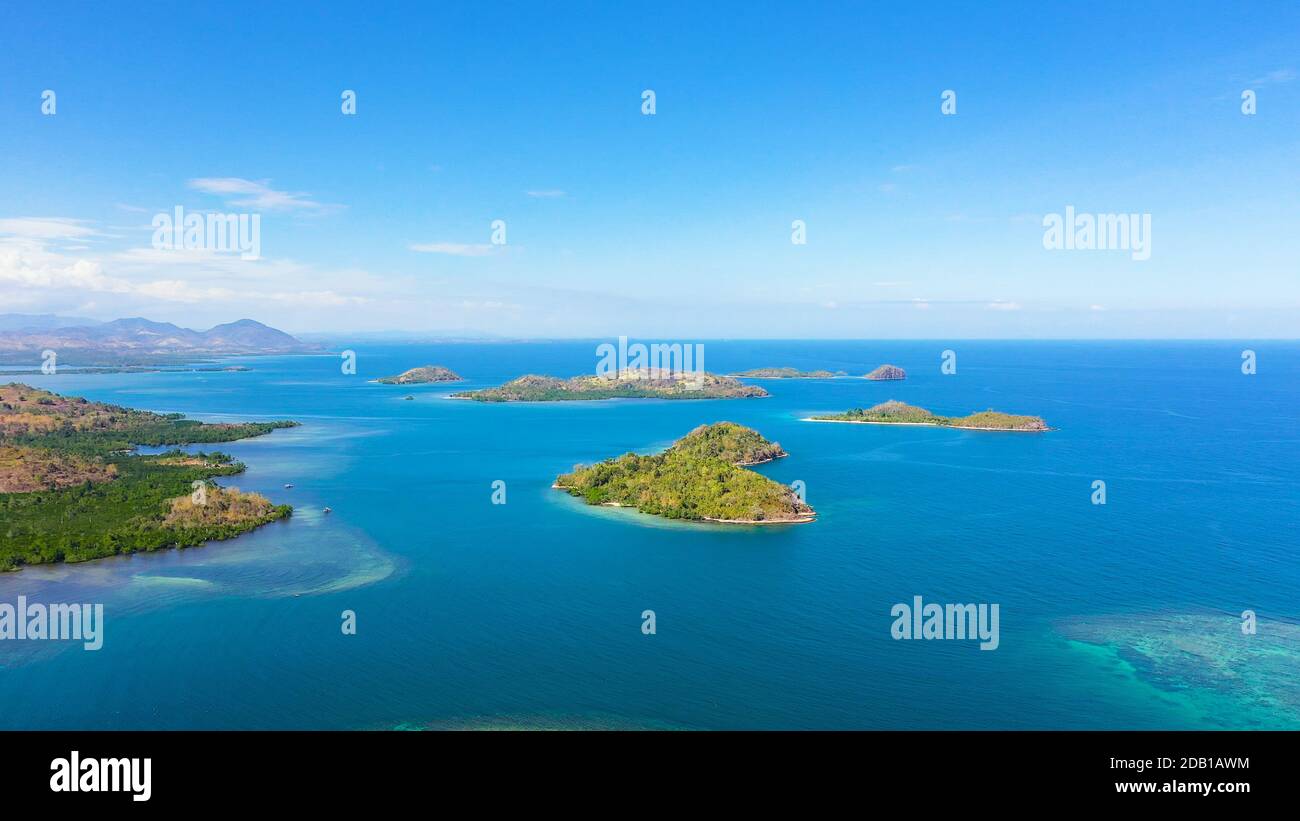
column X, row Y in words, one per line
column 887, row 372
column 73, row 489
column 900, row 413
column 729, row 442
column 701, row 477
column 632, row 384
column 787, row 373
column 422, row 375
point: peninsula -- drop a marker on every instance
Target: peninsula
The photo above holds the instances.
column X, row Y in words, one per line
column 886, row 372
column 628, row 384
column 72, row 487
column 788, row 373
column 702, row 477
column 900, row 413
column 422, row 375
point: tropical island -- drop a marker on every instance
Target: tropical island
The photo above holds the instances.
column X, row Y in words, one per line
column 787, row 373
column 73, row 488
column 886, row 372
column 643, row 383
column 900, row 413
column 422, row 375
column 702, row 477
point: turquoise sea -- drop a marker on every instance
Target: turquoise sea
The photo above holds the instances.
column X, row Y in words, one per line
column 528, row 614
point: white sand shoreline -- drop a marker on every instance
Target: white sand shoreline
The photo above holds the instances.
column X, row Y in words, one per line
column 703, row 519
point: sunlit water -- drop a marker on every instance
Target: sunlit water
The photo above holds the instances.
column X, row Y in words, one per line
column 528, row 614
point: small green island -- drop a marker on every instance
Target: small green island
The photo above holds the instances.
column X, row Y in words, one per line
column 73, row 488
column 886, row 373
column 787, row 373
column 629, row 384
column 702, row 477
column 900, row 413
column 422, row 375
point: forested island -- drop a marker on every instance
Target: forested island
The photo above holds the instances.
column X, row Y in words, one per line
column 630, row 384
column 72, row 488
column 422, row 375
column 886, row 372
column 900, row 413
column 702, row 477
column 787, row 373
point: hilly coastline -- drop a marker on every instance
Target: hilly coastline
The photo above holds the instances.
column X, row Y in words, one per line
column 73, row 488
column 894, row 412
column 422, row 375
column 23, row 338
column 629, row 384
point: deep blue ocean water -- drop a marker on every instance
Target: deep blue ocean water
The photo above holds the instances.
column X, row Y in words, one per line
column 529, row 613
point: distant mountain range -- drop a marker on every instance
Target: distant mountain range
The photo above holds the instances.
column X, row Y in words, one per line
column 121, row 339
column 43, row 322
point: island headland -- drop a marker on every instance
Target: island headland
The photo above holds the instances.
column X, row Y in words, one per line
column 900, row 413
column 886, row 373
column 701, row 477
column 787, row 373
column 642, row 383
column 72, row 487
column 422, row 375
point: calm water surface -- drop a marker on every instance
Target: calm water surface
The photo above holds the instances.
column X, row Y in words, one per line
column 528, row 614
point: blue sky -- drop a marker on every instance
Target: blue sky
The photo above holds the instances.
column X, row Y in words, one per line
column 676, row 225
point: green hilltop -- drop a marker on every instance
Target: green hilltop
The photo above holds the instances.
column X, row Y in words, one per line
column 701, row 478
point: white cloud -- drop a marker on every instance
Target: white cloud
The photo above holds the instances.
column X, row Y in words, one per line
column 176, row 290
column 1004, row 305
column 488, row 305
column 255, row 194
column 46, row 228
column 28, row 264
column 1281, row 75
column 455, row 249
column 189, row 257
column 33, row 272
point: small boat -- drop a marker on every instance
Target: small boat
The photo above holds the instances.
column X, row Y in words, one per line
column 328, row 510
column 288, row 486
